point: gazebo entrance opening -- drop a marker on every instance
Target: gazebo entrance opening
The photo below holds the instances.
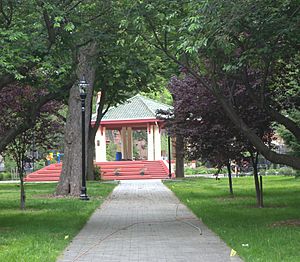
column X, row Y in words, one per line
column 134, row 148
column 128, row 143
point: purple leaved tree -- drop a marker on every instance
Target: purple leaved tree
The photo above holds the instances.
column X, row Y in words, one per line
column 209, row 134
column 47, row 129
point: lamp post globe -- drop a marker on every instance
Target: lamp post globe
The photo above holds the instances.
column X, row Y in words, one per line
column 83, row 85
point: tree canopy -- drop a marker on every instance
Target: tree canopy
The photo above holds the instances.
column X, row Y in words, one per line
column 229, row 42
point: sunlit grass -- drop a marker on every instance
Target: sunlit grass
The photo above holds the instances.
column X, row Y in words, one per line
column 46, row 227
column 268, row 234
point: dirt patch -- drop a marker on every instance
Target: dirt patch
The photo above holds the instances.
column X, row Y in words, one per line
column 233, row 198
column 276, row 206
column 5, row 229
column 51, row 196
column 290, row 222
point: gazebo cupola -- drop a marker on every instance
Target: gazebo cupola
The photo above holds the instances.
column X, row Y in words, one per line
column 137, row 113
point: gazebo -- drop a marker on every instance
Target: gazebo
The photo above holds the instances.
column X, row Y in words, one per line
column 137, row 113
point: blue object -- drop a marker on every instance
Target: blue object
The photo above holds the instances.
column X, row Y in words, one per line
column 118, row 156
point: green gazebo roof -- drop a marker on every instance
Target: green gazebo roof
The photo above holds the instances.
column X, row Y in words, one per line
column 137, row 107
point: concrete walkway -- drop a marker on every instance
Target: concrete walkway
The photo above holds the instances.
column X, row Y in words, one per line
column 144, row 221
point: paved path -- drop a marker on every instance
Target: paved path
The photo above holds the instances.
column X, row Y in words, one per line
column 144, row 221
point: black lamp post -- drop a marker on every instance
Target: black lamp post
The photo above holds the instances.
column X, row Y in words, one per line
column 82, row 89
column 169, row 155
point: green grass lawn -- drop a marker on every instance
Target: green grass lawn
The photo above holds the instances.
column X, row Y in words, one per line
column 267, row 234
column 46, row 227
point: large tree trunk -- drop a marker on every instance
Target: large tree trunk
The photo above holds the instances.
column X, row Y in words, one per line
column 71, row 176
column 179, row 147
column 269, row 154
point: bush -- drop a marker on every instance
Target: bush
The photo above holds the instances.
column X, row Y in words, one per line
column 272, row 172
column 262, row 172
column 286, row 171
column 97, row 173
column 39, row 164
column 189, row 171
column 5, row 176
column 202, row 170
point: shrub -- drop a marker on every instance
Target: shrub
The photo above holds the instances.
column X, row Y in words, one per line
column 97, row 173
column 39, row 164
column 203, row 170
column 262, row 172
column 5, row 176
column 286, row 171
column 189, row 171
column 272, row 172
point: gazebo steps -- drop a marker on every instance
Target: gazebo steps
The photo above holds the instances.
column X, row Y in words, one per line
column 114, row 170
column 123, row 170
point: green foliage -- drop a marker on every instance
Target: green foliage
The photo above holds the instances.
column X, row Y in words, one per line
column 283, row 171
column 162, row 94
column 44, row 230
column 5, row 176
column 228, row 41
column 203, row 170
column 286, row 171
column 290, row 140
column 247, row 229
column 269, row 172
column 39, row 164
column 9, row 163
column 111, row 150
column 97, row 173
column 164, row 143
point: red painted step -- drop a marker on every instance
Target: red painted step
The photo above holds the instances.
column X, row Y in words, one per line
column 126, row 170
column 121, row 170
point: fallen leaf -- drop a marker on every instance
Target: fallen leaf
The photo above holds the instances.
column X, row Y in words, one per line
column 232, row 253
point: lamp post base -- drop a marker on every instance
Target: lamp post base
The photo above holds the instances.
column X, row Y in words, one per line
column 83, row 195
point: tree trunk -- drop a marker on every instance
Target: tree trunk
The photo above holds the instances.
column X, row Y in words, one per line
column 92, row 134
column 71, row 177
column 272, row 156
column 254, row 160
column 229, row 178
column 22, row 195
column 179, row 147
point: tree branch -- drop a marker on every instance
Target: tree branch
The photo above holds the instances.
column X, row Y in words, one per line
column 31, row 116
column 49, row 26
column 253, row 138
